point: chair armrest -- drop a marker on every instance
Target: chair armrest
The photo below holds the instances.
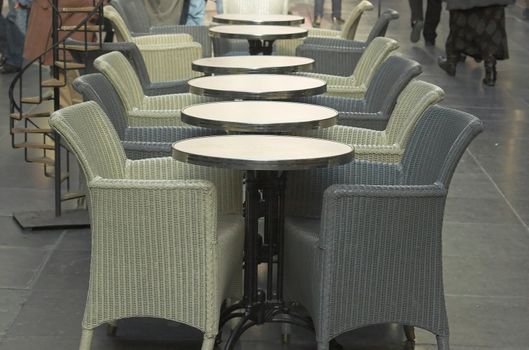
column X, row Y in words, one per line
column 305, row 188
column 167, row 134
column 228, row 182
column 163, row 39
column 174, row 102
column 341, row 104
column 373, row 121
column 330, row 59
column 160, row 117
column 379, row 153
column 142, row 150
column 166, row 88
column 337, row 43
column 170, row 61
column 324, row 32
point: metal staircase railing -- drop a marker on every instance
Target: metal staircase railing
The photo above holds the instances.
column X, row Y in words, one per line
column 28, row 125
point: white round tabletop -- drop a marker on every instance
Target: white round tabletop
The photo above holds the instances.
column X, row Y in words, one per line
column 257, row 86
column 252, row 64
column 258, row 32
column 262, row 152
column 259, row 116
column 236, row 18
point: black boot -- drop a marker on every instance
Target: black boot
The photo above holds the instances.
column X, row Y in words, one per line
column 490, row 72
column 448, row 64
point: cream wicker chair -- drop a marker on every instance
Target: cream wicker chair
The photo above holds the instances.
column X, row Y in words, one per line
column 167, row 237
column 355, row 85
column 162, row 110
column 288, row 47
column 256, row 6
column 167, row 56
column 387, row 145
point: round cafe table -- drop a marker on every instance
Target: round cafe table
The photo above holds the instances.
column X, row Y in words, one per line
column 265, row 159
column 236, row 18
column 252, row 64
column 259, row 116
column 257, row 86
column 260, row 37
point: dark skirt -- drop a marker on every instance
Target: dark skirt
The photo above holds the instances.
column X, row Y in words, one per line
column 478, row 32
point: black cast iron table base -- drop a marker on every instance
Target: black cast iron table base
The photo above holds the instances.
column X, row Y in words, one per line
column 265, row 192
column 261, row 46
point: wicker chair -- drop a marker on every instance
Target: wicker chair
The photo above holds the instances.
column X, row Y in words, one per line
column 339, row 56
column 138, row 142
column 133, row 54
column 167, row 237
column 133, row 14
column 365, row 248
column 387, row 145
column 167, row 56
column 143, row 110
column 288, row 47
column 374, row 110
column 355, row 85
column 236, row 47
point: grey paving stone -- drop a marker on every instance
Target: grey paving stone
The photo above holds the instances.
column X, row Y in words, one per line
column 20, row 266
column 65, row 270
column 75, row 239
column 12, row 235
column 11, row 301
column 485, row 240
column 486, row 276
column 469, row 210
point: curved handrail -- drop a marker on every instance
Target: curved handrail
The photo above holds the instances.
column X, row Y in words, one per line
column 14, row 107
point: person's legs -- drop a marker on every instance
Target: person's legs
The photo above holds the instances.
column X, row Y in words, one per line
column 337, row 10
column 318, row 12
column 15, row 39
column 449, row 63
column 219, row 6
column 432, row 18
column 195, row 15
column 417, row 20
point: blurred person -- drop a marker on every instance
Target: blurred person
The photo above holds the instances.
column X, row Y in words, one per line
column 220, row 7
column 336, row 12
column 477, row 29
column 429, row 22
column 195, row 13
column 526, row 10
column 13, row 27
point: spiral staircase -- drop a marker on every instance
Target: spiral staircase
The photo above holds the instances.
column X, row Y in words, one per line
column 32, row 102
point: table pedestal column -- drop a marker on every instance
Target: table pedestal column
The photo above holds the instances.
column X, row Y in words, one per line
column 259, row 306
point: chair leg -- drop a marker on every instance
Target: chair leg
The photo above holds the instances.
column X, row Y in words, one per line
column 286, row 330
column 208, row 343
column 112, row 328
column 86, row 339
column 410, row 333
column 323, row 345
column 442, row 343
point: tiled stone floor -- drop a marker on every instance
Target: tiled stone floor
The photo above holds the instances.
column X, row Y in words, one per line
column 43, row 275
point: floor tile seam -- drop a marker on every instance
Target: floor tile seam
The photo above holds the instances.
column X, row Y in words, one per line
column 509, row 204
column 36, row 249
column 46, row 259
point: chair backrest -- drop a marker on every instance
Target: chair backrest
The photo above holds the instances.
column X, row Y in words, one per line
column 375, row 53
column 96, row 87
column 256, row 7
column 411, row 104
column 381, row 25
column 393, row 75
column 92, row 138
column 120, row 27
column 438, row 142
column 351, row 23
column 119, row 71
column 134, row 15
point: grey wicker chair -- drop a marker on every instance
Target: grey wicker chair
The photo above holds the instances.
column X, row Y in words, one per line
column 339, row 56
column 363, row 242
column 133, row 54
column 373, row 111
column 134, row 15
column 138, row 142
column 167, row 236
